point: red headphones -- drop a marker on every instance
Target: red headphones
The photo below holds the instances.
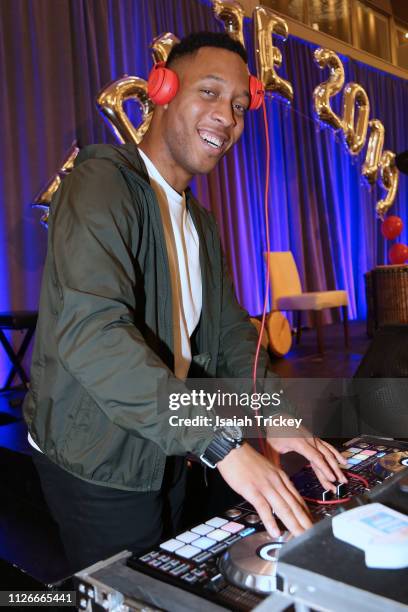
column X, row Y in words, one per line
column 163, row 85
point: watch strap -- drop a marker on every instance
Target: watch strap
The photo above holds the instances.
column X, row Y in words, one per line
column 218, row 448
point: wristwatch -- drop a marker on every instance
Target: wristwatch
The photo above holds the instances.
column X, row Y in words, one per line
column 225, row 439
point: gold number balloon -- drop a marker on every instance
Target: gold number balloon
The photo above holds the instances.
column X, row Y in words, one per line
column 110, row 100
column 389, row 176
column 68, row 163
column 44, row 197
column 162, row 45
column 266, row 23
column 323, row 92
column 231, row 14
column 355, row 132
column 374, row 150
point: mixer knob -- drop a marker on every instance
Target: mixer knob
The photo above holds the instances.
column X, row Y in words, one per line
column 253, row 519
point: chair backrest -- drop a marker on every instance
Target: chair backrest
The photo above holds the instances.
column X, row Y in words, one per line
column 283, row 274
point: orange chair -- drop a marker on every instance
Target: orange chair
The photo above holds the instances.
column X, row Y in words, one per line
column 287, row 295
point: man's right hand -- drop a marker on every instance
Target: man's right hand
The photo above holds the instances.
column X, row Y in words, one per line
column 267, row 488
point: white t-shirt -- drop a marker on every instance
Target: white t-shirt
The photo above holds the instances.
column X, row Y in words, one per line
column 184, row 262
column 185, row 272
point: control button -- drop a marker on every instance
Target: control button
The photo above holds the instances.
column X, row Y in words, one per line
column 187, row 537
column 381, row 448
column 188, row 551
column 354, row 449
column 82, row 588
column 202, row 529
column 247, row 532
column 232, row 540
column 219, row 548
column 204, row 543
column 155, row 563
column 233, row 527
column 164, row 558
column 199, row 573
column 364, row 445
column 218, row 535
column 190, row 578
column 341, row 490
column 180, row 570
column 327, row 495
column 202, row 557
column 171, row 545
column 253, row 519
column 167, row 566
column 233, row 513
column 216, row 522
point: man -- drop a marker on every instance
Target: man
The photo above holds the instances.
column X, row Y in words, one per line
column 134, row 293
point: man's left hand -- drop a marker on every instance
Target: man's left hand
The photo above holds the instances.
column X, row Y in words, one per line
column 323, row 457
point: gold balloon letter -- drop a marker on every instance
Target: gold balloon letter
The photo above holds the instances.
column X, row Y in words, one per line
column 231, row 14
column 43, row 199
column 162, row 45
column 389, row 176
column 355, row 132
column 110, row 100
column 267, row 55
column 328, row 89
column 374, row 150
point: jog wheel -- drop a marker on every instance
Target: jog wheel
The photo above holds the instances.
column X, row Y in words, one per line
column 251, row 563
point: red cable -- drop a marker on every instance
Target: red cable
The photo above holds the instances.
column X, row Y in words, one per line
column 258, row 347
column 327, row 503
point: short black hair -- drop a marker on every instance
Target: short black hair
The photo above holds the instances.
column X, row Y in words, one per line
column 193, row 42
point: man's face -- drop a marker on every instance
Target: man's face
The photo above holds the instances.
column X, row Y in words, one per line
column 206, row 117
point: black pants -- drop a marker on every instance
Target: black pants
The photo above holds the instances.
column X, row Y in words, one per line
column 96, row 522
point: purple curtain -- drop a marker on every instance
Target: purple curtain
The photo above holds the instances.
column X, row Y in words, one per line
column 56, row 55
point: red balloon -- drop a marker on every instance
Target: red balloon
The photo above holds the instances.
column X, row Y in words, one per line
column 391, row 227
column 398, row 253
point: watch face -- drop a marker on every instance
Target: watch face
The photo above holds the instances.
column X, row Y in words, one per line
column 232, row 433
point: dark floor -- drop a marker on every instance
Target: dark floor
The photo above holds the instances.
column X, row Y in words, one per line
column 31, row 555
column 304, row 361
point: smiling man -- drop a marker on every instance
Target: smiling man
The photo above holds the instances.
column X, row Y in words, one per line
column 135, row 295
column 190, row 135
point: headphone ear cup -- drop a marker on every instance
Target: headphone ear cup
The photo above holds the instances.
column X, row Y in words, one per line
column 162, row 84
column 256, row 91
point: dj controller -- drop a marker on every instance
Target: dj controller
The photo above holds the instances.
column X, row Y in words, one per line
column 230, row 559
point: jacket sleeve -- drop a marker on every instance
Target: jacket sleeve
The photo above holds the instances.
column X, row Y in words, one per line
column 95, row 227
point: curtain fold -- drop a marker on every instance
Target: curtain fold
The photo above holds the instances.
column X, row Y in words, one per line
column 56, row 55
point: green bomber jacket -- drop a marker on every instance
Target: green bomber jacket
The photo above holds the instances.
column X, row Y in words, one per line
column 104, row 338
